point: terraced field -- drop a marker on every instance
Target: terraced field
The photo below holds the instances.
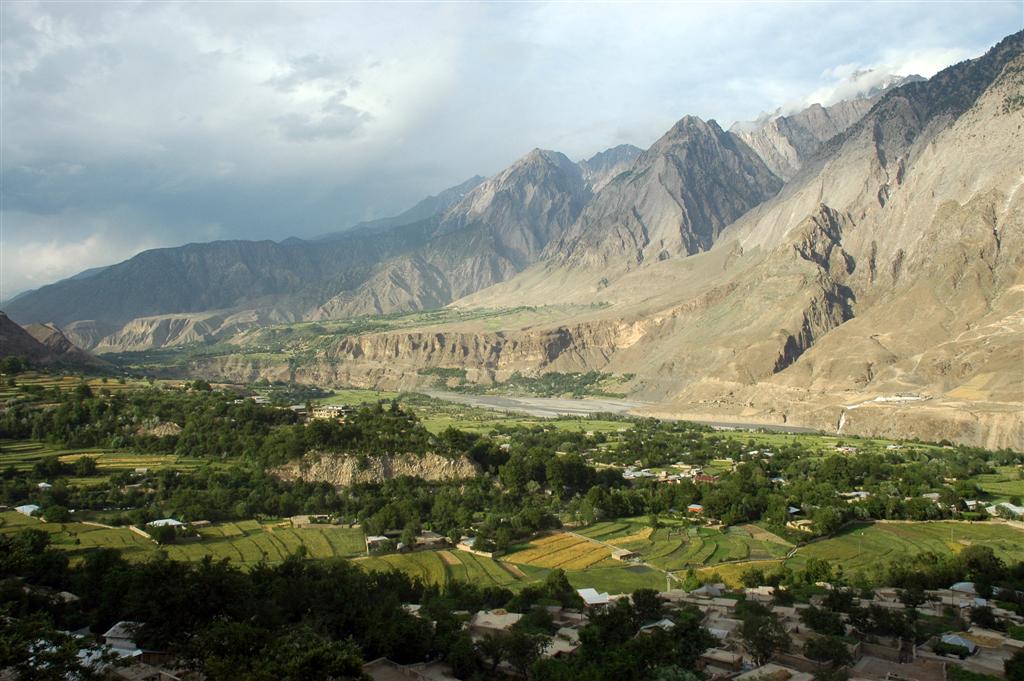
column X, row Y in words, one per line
column 860, row 547
column 246, row 542
column 441, row 567
column 679, row 547
column 1005, row 483
column 23, row 454
column 47, row 381
column 562, row 550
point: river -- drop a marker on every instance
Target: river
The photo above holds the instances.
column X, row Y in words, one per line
column 551, row 407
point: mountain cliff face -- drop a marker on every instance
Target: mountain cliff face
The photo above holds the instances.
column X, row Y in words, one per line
column 494, row 232
column 674, row 200
column 880, row 292
column 43, row 344
column 603, row 167
column 785, row 143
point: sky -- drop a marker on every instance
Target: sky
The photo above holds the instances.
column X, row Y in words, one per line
column 126, row 126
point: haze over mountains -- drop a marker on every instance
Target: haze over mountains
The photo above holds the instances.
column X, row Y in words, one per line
column 856, row 267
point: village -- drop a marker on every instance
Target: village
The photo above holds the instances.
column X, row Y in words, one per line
column 736, row 654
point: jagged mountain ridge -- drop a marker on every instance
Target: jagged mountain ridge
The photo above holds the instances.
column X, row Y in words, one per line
column 674, row 200
column 785, row 142
column 890, row 265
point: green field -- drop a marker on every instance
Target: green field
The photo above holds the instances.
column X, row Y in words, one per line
column 24, row 454
column 860, row 547
column 66, row 382
column 679, row 547
column 246, row 542
column 440, row 567
column 1003, row 484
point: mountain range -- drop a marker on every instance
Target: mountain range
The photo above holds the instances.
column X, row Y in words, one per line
column 855, row 268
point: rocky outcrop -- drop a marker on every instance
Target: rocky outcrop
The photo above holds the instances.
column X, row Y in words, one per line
column 345, row 470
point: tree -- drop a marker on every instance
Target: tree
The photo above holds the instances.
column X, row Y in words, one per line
column 492, row 649
column 829, row 649
column 764, row 636
column 648, row 605
column 56, row 514
column 523, row 649
column 86, row 466
column 164, row 534
column 1014, row 667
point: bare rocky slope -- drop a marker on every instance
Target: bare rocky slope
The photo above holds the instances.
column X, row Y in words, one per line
column 880, row 292
column 345, row 470
column 877, row 291
column 43, row 344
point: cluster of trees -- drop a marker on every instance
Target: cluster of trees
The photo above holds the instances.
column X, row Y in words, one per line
column 11, row 365
column 533, row 474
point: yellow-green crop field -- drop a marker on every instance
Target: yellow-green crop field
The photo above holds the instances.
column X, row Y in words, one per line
column 23, row 454
column 861, row 547
column 245, row 543
column 441, row 567
column 563, row 550
column 63, row 382
column 679, row 547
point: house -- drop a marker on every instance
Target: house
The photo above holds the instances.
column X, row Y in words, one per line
column 694, row 508
column 166, row 522
column 625, row 555
column 722, row 628
column 383, row 669
column 761, row 594
column 565, row 642
column 665, row 624
column 329, row 412
column 121, row 636
column 804, row 525
column 376, row 542
column 592, row 598
column 27, row 509
column 709, row 590
column 957, row 640
column 430, row 540
column 705, row 478
column 140, row 671
column 1006, row 510
column 856, row 495
column 44, row 486
column 715, row 662
column 492, row 622
column 774, row 672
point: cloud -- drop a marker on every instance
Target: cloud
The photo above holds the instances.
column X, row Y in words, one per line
column 162, row 123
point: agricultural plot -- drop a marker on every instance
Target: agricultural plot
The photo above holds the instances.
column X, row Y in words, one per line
column 1003, row 484
column 24, row 454
column 562, row 550
column 246, row 543
column 863, row 546
column 678, row 547
column 619, row 579
column 441, row 567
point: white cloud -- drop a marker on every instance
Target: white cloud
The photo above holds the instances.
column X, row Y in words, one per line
column 162, row 123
